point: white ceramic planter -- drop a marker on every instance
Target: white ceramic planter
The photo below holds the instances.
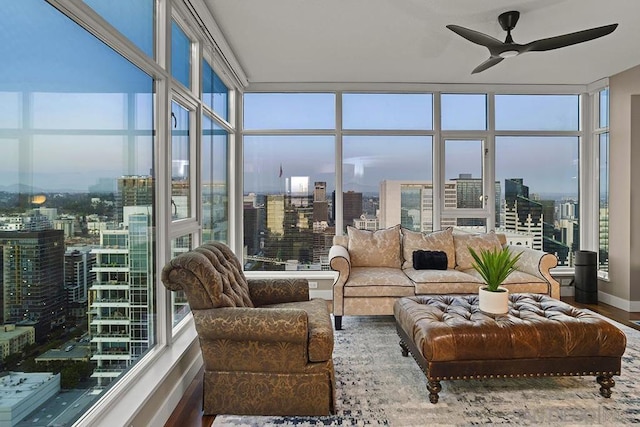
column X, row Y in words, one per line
column 494, row 302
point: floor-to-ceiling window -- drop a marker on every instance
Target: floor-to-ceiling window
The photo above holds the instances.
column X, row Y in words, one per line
column 482, row 161
column 113, row 160
column 78, row 186
column 289, row 179
column 537, row 146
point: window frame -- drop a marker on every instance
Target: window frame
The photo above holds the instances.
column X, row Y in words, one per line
column 180, row 341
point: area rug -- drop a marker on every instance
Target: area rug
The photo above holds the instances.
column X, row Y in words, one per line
column 376, row 386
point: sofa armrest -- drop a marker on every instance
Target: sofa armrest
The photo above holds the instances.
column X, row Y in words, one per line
column 340, row 261
column 277, row 291
column 268, row 325
column 538, row 264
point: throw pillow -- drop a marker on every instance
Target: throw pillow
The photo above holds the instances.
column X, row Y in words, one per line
column 479, row 242
column 380, row 248
column 436, row 241
column 429, row 260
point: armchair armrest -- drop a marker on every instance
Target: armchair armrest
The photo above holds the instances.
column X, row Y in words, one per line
column 269, row 325
column 277, row 291
column 538, row 264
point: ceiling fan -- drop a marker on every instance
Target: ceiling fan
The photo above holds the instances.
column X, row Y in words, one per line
column 500, row 50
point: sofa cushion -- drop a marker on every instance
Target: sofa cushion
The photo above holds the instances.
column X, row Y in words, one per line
column 479, row 242
column 378, row 282
column 443, row 281
column 436, row 241
column 379, row 248
column 515, row 277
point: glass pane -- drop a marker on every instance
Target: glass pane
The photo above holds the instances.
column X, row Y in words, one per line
column 541, row 191
column 215, row 93
column 180, row 163
column 604, row 108
column 289, row 111
column 537, row 112
column 179, row 304
column 383, row 186
column 180, row 55
column 11, row 107
column 463, row 111
column 288, row 222
column 387, row 111
column 133, row 18
column 603, row 258
column 215, row 182
column 77, row 203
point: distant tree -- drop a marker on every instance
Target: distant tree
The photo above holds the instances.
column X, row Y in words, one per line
column 69, row 377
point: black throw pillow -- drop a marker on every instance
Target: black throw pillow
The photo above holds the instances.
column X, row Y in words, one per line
column 429, row 260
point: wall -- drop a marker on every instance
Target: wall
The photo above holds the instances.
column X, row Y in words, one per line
column 624, row 203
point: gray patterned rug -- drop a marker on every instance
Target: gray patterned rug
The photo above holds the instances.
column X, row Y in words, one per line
column 376, row 386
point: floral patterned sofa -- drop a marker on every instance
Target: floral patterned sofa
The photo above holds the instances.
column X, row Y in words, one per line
column 376, row 268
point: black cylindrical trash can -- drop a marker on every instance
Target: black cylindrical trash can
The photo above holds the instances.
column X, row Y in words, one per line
column 586, row 277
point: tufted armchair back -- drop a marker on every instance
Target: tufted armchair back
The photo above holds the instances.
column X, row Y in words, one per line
column 211, row 277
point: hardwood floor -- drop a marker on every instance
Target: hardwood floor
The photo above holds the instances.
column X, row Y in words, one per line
column 188, row 413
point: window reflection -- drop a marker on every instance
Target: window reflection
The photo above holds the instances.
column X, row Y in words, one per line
column 180, row 162
column 215, row 182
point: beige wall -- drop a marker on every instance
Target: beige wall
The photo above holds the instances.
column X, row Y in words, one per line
column 624, row 196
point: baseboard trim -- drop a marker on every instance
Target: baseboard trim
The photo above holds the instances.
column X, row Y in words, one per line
column 622, row 304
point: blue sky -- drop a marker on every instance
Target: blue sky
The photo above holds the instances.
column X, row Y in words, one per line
column 80, row 96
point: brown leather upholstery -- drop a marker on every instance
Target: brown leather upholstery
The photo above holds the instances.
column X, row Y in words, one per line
column 453, row 328
column 451, row 338
column 267, row 348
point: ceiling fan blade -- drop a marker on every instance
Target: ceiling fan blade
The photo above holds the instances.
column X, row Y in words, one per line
column 476, row 37
column 568, row 39
column 487, row 64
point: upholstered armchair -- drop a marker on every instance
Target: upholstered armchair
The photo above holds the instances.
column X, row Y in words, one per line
column 267, row 347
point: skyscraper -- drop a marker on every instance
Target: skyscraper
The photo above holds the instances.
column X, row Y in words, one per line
column 133, row 190
column 32, row 279
column 521, row 213
column 121, row 299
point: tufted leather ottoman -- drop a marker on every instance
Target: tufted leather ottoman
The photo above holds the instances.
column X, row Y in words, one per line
column 450, row 338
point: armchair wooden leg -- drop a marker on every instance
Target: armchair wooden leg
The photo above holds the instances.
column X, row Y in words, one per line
column 338, row 322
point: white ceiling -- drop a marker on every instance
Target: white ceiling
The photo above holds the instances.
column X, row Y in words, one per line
column 406, row 41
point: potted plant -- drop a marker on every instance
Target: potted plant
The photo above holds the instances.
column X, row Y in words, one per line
column 494, row 266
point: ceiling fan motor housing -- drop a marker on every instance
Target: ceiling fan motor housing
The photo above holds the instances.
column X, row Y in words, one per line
column 508, row 20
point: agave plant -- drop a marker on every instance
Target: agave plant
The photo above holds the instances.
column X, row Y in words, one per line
column 494, row 265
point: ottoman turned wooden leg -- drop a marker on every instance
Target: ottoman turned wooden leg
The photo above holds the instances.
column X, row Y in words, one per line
column 606, row 383
column 434, row 388
column 405, row 349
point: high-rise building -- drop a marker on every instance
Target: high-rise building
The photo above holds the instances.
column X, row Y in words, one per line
column 275, row 214
column 133, row 190
column 320, row 203
column 320, row 191
column 470, row 195
column 521, row 213
column 78, row 274
column 32, row 279
column 121, row 299
column 351, row 206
